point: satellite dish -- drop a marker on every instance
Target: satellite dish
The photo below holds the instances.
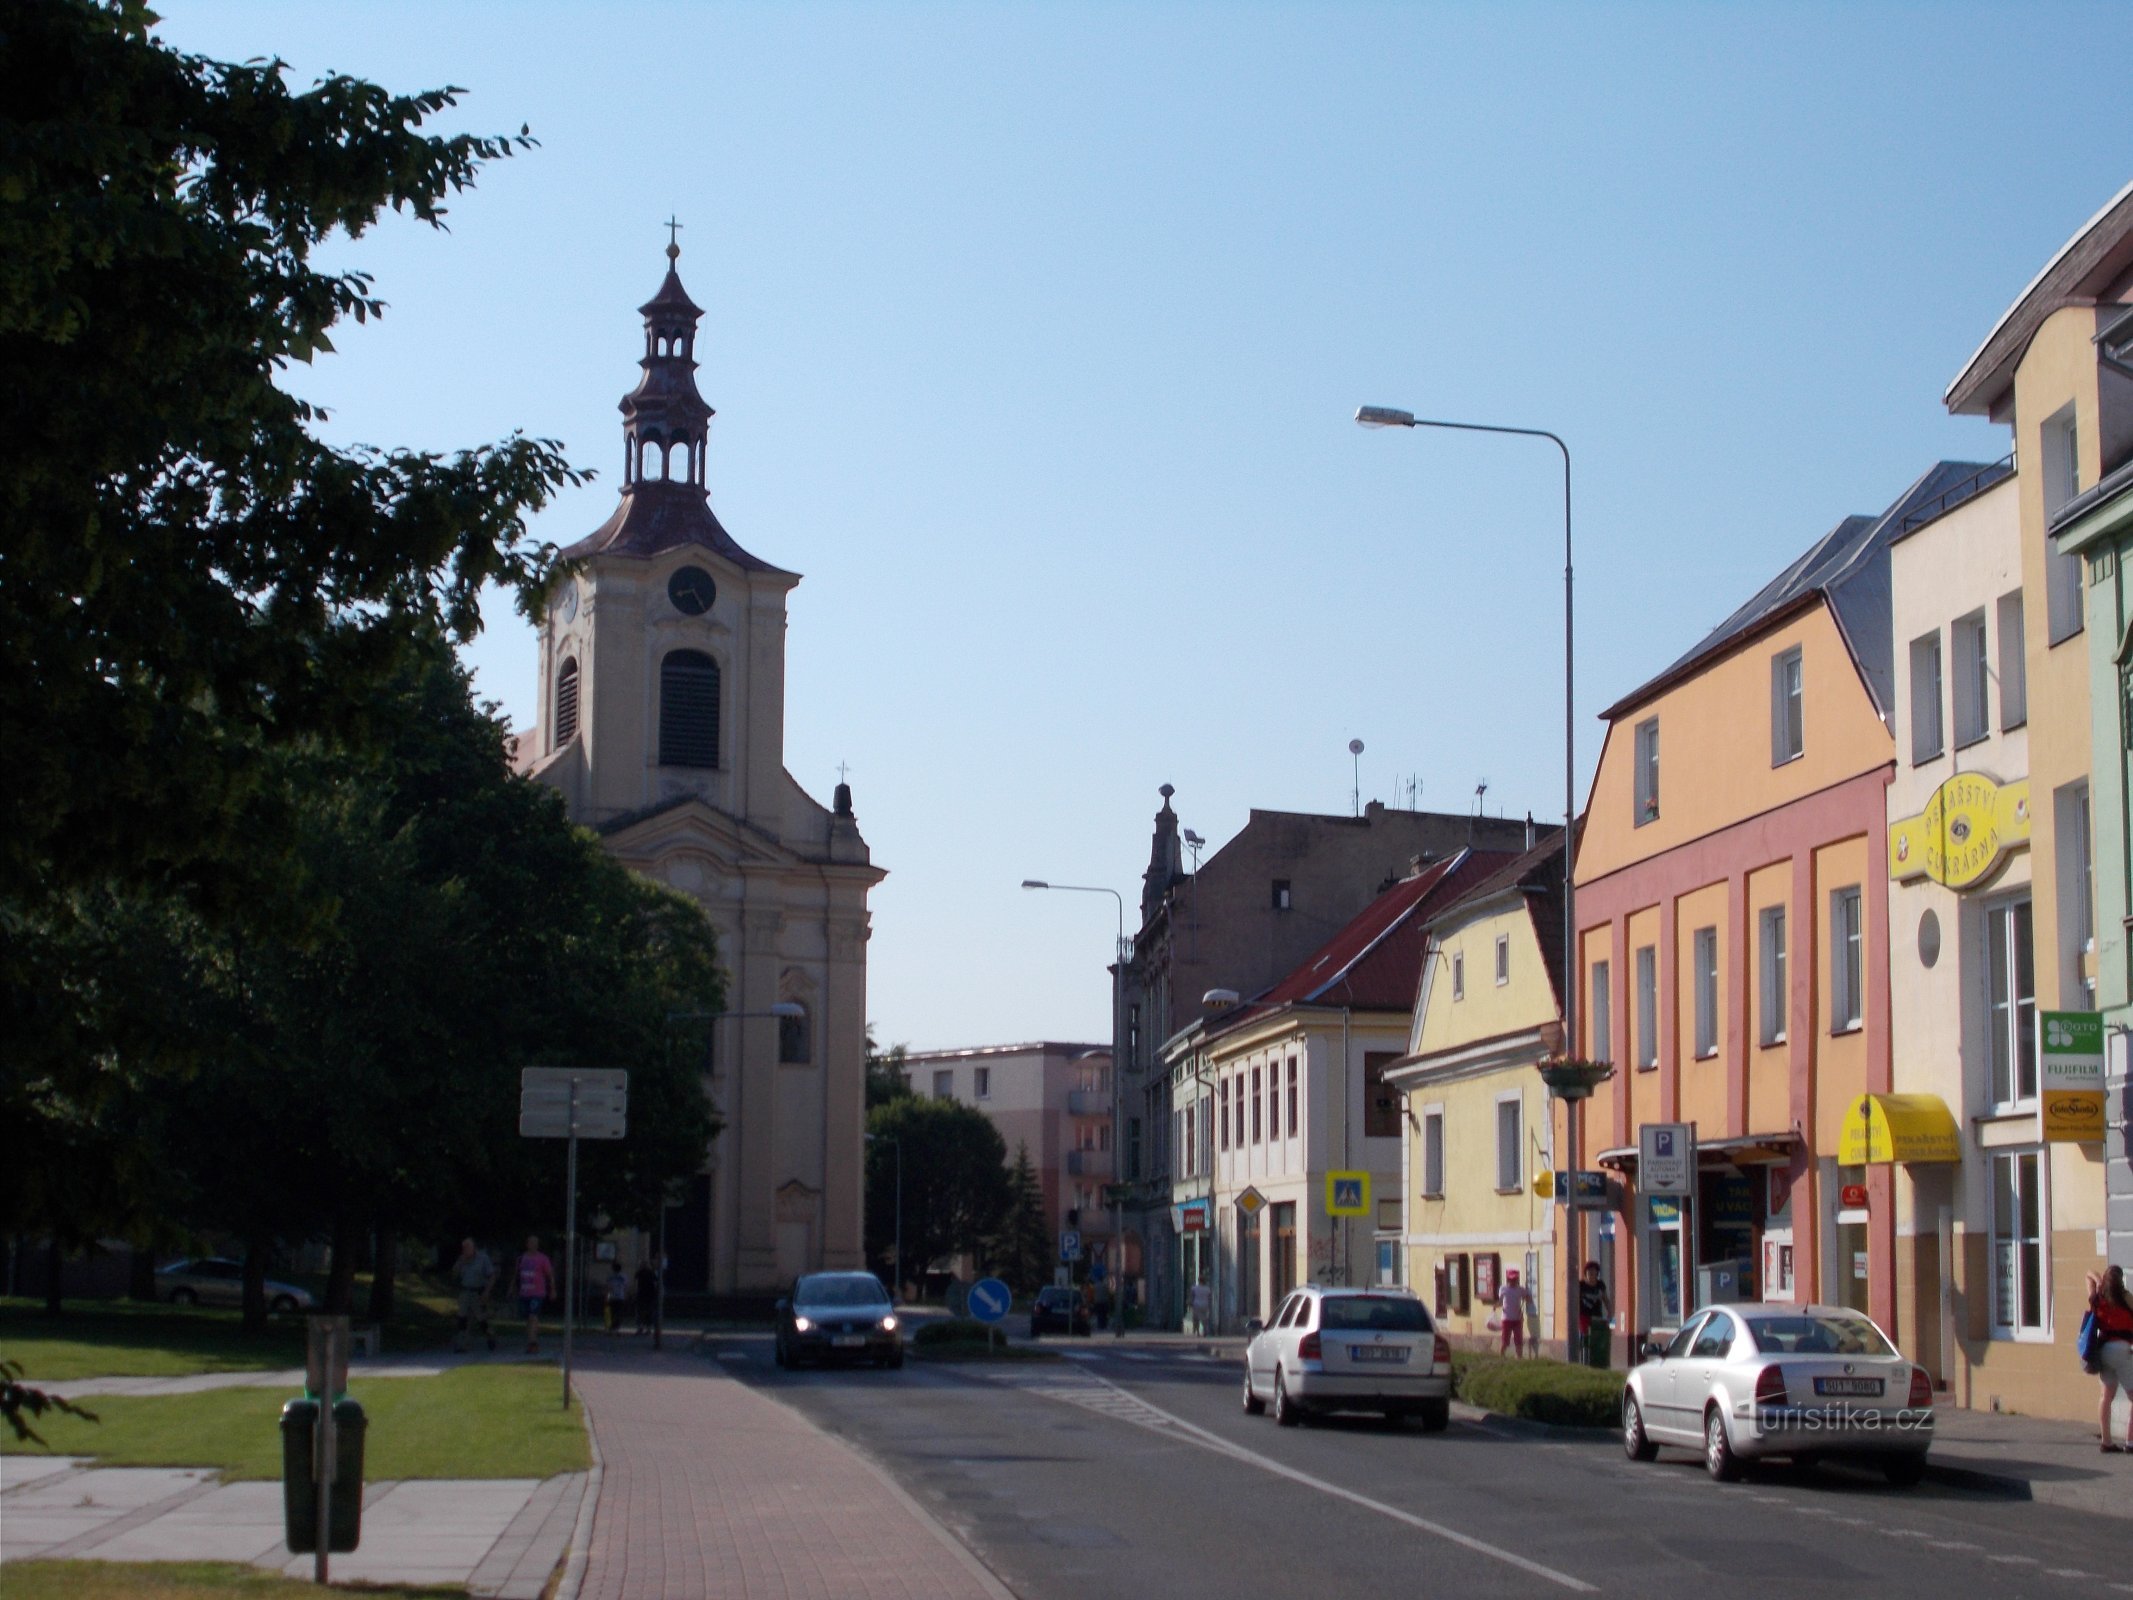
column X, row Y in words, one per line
column 1355, row 747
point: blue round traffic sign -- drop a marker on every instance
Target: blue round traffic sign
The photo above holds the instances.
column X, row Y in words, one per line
column 989, row 1300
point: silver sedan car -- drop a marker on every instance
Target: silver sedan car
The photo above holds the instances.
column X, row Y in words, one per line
column 1349, row 1350
column 1741, row 1382
column 217, row 1281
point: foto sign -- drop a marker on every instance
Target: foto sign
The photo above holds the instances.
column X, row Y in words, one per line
column 1591, row 1189
column 1666, row 1158
column 2070, row 1069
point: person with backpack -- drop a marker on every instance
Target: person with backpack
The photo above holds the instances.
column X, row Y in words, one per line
column 2111, row 1355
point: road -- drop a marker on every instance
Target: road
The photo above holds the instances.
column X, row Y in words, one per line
column 1118, row 1475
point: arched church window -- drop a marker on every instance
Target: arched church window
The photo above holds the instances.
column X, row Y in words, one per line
column 688, row 710
column 644, row 458
column 566, row 702
column 796, row 1045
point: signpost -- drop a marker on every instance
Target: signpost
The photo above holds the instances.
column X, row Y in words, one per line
column 572, row 1103
column 1666, row 1168
column 1070, row 1245
column 1347, row 1194
column 988, row 1301
column 2070, row 1062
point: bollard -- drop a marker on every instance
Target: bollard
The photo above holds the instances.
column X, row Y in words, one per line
column 299, row 1489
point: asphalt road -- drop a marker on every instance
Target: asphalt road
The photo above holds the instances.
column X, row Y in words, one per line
column 1115, row 1476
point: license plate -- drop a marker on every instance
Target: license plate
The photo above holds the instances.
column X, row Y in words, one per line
column 1377, row 1352
column 1847, row 1386
column 849, row 1341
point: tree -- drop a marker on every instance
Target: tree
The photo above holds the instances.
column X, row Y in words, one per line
column 1022, row 1250
column 955, row 1180
column 886, row 1079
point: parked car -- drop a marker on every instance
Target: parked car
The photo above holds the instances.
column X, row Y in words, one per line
column 1057, row 1309
column 1742, row 1382
column 1349, row 1350
column 217, row 1281
column 839, row 1316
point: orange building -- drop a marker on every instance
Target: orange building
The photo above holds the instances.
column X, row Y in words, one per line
column 1732, row 954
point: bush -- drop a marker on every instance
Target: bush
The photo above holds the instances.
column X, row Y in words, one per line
column 1539, row 1390
column 956, row 1330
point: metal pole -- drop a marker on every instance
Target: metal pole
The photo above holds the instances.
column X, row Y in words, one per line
column 659, row 1287
column 570, row 1237
column 322, row 1471
column 899, row 1287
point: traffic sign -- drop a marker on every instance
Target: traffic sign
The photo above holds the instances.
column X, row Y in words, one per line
column 1070, row 1245
column 557, row 1102
column 1250, row 1201
column 1666, row 1158
column 615, row 1079
column 1347, row 1194
column 989, row 1300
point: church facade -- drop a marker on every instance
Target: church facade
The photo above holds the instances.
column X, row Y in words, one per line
column 662, row 670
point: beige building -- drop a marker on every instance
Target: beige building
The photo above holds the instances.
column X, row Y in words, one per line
column 662, row 668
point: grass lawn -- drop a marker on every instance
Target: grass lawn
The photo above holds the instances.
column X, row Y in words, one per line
column 471, row 1422
column 179, row 1580
column 130, row 1338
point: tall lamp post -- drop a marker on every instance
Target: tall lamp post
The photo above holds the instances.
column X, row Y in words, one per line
column 897, row 1287
column 783, row 1008
column 1388, row 417
column 1118, row 1080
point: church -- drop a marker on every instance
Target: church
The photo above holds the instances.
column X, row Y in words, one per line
column 662, row 671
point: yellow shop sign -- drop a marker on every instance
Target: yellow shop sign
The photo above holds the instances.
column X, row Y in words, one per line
column 1968, row 825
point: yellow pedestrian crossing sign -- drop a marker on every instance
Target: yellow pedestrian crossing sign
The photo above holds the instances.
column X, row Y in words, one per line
column 1347, row 1194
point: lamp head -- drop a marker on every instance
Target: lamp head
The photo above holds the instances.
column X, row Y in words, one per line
column 1035, row 883
column 1384, row 417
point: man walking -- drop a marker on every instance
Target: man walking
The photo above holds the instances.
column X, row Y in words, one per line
column 647, row 1295
column 1596, row 1313
column 536, row 1282
column 474, row 1274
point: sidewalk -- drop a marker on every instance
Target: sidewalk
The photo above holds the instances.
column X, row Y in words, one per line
column 2033, row 1458
column 710, row 1489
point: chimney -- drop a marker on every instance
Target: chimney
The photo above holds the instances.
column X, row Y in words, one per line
column 1529, row 830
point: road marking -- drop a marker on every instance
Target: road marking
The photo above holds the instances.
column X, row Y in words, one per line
column 1081, row 1355
column 1128, row 1407
column 1955, row 1544
column 733, row 1355
column 1135, row 1355
column 2014, row 1561
column 2067, row 1572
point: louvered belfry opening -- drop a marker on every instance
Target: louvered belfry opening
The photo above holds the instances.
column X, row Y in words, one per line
column 566, row 703
column 688, row 710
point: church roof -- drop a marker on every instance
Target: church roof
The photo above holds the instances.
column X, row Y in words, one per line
column 656, row 516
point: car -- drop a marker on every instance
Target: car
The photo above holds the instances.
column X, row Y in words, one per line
column 218, row 1281
column 1743, row 1382
column 1057, row 1309
column 839, row 1316
column 1336, row 1349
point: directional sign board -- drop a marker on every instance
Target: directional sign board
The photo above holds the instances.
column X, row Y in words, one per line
column 989, row 1300
column 555, row 1102
column 1070, row 1245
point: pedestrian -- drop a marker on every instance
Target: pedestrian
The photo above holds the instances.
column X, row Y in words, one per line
column 1103, row 1307
column 536, row 1282
column 1596, row 1314
column 473, row 1274
column 1512, row 1304
column 647, row 1296
column 618, row 1296
column 2113, row 1358
column 1200, row 1302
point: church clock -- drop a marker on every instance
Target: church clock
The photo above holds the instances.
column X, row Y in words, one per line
column 692, row 591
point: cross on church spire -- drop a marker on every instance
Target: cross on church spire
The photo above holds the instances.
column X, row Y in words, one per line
column 673, row 244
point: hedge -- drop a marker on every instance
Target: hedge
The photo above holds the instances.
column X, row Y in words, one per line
column 1539, row 1389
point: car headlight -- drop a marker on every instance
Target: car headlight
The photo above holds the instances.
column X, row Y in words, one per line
column 888, row 1324
column 801, row 1324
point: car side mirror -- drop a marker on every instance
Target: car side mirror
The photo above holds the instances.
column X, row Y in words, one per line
column 1654, row 1350
column 1254, row 1328
column 783, row 1304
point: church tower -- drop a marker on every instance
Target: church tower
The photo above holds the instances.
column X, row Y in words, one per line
column 662, row 660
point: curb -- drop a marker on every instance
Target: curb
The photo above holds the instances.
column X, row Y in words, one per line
column 579, row 1551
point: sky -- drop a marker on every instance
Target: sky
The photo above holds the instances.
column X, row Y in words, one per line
column 1035, row 333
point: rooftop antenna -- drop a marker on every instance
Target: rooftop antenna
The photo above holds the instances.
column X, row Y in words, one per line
column 1355, row 755
column 1481, row 791
column 1195, row 844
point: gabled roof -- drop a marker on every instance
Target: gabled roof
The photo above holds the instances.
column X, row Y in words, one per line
column 1537, row 878
column 1848, row 569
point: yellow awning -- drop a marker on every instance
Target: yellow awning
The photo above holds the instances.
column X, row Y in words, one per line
column 1899, row 1127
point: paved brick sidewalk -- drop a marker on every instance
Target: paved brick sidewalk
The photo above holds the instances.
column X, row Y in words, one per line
column 711, row 1490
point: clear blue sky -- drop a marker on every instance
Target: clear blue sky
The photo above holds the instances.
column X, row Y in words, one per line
column 1034, row 333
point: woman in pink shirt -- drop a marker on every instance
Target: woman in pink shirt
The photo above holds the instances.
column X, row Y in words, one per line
column 536, row 1282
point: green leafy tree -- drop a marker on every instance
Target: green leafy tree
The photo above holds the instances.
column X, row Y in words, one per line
column 1022, row 1250
column 955, row 1180
column 886, row 1078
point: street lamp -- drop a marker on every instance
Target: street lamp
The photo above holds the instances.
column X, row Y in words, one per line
column 783, row 1008
column 1388, row 417
column 897, row 1287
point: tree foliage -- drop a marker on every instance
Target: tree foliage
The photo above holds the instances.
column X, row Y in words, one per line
column 1022, row 1250
column 954, row 1180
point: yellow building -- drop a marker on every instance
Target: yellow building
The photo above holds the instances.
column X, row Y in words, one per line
column 1488, row 1010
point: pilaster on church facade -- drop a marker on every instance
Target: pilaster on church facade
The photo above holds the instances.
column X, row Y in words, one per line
column 662, row 662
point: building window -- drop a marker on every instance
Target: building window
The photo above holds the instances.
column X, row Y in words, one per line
column 1133, row 1149
column 1458, row 975
column 2077, row 907
column 1256, row 1124
column 2062, row 568
column 1926, row 737
column 1282, row 897
column 2014, row 670
column 2011, row 1003
column 944, row 1085
column 1770, row 961
column 1273, row 1101
column 1223, row 1096
column 1133, row 1035
column 566, row 702
column 1846, row 965
column 1647, row 1006
column 1600, row 1012
column 1788, row 711
column 1510, row 1154
column 2019, row 1295
column 796, row 1047
column 1503, row 959
column 688, row 710
column 983, row 1082
column 1706, row 959
column 1973, row 680
column 1433, row 1153
column 1190, row 1145
column 1647, row 771
column 1381, row 1107
column 1294, row 1126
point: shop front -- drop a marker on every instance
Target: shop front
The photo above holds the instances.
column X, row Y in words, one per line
column 1730, row 1240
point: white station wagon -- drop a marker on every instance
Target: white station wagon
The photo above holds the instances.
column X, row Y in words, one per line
column 1349, row 1350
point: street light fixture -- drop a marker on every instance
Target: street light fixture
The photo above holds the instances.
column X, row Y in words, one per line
column 1391, row 417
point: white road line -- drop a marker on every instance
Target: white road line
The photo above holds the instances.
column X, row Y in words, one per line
column 2014, row 1561
column 1955, row 1544
column 1192, row 1433
column 735, row 1355
column 2067, row 1572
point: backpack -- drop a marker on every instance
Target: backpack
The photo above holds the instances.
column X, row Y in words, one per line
column 2088, row 1343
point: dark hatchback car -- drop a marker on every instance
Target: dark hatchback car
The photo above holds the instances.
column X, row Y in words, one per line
column 1057, row 1310
column 839, row 1316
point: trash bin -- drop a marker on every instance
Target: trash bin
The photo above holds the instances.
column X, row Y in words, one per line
column 299, row 1490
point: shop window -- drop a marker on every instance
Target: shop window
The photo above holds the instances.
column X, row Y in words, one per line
column 2020, row 1301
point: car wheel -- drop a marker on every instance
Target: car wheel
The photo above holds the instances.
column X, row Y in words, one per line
column 1253, row 1405
column 1436, row 1415
column 1905, row 1472
column 896, row 1361
column 183, row 1297
column 1636, row 1443
column 1718, row 1457
column 283, row 1304
column 1285, row 1410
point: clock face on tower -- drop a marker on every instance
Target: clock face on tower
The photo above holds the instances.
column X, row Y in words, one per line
column 567, row 607
column 692, row 591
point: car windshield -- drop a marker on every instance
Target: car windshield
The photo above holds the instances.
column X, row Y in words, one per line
column 1053, row 1297
column 1818, row 1333
column 840, row 1292
column 1382, row 1313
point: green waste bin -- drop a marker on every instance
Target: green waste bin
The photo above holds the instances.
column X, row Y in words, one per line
column 299, row 1492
